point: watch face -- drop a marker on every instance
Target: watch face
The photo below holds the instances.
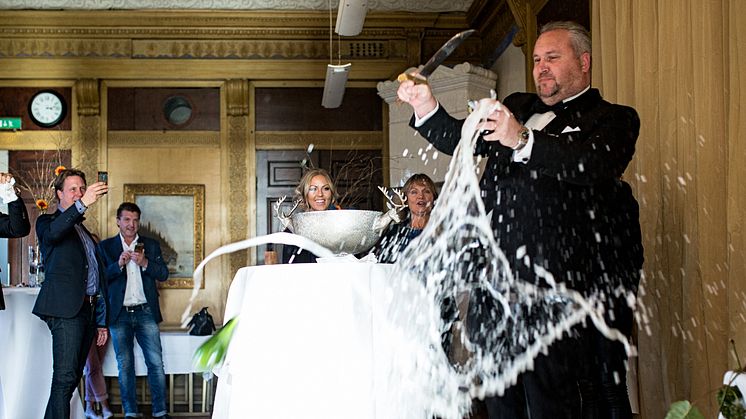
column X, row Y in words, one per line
column 47, row 108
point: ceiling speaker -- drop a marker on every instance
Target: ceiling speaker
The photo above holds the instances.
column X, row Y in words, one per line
column 334, row 85
column 350, row 17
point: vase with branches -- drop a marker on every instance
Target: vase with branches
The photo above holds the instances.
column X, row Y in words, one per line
column 38, row 180
column 36, row 176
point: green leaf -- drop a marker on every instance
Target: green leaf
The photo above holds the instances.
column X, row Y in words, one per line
column 683, row 410
column 212, row 353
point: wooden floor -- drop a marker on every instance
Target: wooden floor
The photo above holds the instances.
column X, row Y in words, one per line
column 178, row 389
column 478, row 412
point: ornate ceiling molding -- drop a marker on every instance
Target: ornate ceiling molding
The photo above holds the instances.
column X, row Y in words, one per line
column 288, row 49
column 46, row 47
column 378, row 5
column 262, row 24
column 292, row 49
column 390, row 41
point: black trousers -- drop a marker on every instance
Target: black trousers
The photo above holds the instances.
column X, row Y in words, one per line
column 550, row 390
column 71, row 341
column 604, row 387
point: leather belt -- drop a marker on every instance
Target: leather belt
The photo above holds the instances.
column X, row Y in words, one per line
column 135, row 308
column 90, row 299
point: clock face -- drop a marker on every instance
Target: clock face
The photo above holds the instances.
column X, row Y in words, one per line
column 47, row 108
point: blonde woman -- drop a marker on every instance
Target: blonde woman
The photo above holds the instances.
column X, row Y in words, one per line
column 316, row 192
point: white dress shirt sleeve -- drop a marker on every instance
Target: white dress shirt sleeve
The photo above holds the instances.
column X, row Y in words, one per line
column 419, row 121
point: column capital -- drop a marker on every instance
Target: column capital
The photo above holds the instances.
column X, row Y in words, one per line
column 237, row 97
column 87, row 96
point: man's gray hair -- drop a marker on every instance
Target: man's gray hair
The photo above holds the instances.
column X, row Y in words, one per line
column 579, row 35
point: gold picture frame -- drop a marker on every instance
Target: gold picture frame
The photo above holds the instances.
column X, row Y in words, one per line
column 167, row 212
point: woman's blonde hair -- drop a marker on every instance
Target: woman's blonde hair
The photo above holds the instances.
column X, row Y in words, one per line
column 301, row 191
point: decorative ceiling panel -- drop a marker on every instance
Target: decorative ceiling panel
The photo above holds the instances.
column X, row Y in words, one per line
column 377, row 5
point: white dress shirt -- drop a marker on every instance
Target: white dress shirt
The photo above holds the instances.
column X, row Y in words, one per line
column 133, row 293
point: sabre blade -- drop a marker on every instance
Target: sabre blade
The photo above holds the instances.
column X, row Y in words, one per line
column 443, row 53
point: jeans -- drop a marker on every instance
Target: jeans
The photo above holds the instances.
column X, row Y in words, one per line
column 139, row 324
column 71, row 340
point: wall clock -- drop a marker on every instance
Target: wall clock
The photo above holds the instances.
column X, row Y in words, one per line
column 47, row 108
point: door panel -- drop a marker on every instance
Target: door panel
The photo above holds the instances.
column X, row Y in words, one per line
column 277, row 174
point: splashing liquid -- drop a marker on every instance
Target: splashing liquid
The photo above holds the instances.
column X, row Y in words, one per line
column 456, row 261
column 508, row 322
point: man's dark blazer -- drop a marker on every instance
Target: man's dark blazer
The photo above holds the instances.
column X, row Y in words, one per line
column 157, row 270
column 14, row 224
column 65, row 267
column 567, row 205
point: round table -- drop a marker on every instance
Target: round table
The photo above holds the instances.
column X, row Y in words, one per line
column 308, row 342
column 26, row 361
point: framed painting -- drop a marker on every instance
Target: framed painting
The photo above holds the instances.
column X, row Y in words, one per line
column 174, row 215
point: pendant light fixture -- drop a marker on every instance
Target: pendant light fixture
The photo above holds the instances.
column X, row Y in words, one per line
column 350, row 17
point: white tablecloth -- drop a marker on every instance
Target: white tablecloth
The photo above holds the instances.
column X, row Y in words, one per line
column 178, row 348
column 26, row 359
column 306, row 344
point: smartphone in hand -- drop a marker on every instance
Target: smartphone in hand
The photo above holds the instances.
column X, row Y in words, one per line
column 103, row 177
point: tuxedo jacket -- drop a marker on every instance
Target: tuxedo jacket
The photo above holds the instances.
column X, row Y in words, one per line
column 156, row 271
column 14, row 224
column 65, row 267
column 566, row 209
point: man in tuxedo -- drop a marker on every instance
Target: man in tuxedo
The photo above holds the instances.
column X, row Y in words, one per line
column 15, row 223
column 554, row 184
column 69, row 297
column 134, row 265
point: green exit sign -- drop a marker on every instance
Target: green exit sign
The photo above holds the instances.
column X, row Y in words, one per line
column 10, row 123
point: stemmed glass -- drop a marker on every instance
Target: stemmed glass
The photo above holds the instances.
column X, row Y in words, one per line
column 35, row 267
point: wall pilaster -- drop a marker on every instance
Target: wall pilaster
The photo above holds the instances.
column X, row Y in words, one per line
column 88, row 149
column 239, row 170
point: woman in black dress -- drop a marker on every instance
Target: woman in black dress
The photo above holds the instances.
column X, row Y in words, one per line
column 420, row 193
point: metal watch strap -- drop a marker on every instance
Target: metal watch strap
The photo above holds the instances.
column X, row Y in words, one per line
column 522, row 139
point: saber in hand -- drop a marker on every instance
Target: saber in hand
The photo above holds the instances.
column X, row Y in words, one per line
column 437, row 59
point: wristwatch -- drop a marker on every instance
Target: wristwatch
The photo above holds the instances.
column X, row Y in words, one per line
column 522, row 139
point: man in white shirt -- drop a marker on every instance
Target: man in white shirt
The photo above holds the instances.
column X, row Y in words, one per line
column 133, row 265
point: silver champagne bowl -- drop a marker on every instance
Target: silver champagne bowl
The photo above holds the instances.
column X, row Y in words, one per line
column 341, row 231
